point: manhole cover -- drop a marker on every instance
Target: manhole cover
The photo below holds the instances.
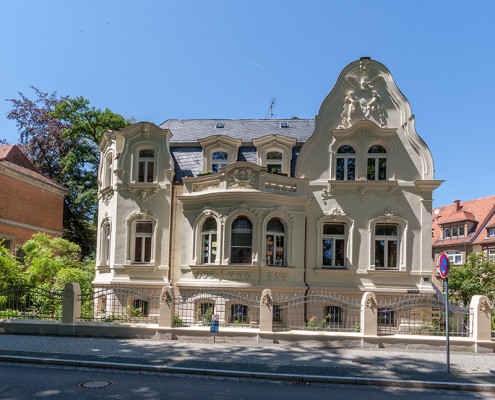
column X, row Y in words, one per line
column 96, row 384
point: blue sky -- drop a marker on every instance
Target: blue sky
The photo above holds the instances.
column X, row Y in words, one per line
column 154, row 60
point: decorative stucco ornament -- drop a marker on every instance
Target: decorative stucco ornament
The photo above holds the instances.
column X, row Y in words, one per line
column 106, row 194
column 242, row 178
column 485, row 305
column 335, row 213
column 267, row 300
column 167, row 298
column 371, row 303
column 144, row 194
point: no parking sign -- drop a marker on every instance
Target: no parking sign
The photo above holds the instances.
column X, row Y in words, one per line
column 444, row 265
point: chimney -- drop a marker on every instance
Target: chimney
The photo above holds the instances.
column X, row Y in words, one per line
column 457, row 205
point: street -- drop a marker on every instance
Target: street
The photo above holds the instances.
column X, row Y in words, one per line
column 53, row 382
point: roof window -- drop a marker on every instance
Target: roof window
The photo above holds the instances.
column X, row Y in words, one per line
column 284, row 124
column 220, row 125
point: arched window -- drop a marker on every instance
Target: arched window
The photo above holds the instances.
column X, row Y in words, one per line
column 143, row 236
column 209, row 241
column 275, row 242
column 241, row 246
column 105, row 244
column 107, row 171
column 218, row 160
column 455, row 257
column 386, row 246
column 377, row 163
column 146, row 166
column 333, row 245
column 274, row 161
column 345, row 165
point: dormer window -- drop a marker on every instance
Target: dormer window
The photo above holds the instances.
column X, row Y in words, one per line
column 284, row 124
column 345, row 164
column 377, row 163
column 218, row 160
column 274, row 161
column 220, row 125
column 146, row 166
column 491, row 232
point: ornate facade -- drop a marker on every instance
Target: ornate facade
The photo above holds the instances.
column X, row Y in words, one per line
column 342, row 202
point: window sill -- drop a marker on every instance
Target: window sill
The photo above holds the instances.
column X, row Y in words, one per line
column 148, row 267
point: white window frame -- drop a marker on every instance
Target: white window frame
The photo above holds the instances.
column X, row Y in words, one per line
column 216, row 143
column 402, row 237
column 107, row 171
column 491, row 255
column 209, row 235
column 346, row 157
column 276, row 162
column 278, row 143
column 132, row 220
column 330, row 217
column 218, row 162
column 455, row 257
column 227, row 236
column 105, row 241
column 376, row 157
column 386, row 239
column 146, row 161
column 334, row 238
column 490, row 232
column 274, row 247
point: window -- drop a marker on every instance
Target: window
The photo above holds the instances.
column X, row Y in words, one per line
column 146, row 166
column 274, row 161
column 277, row 315
column 239, row 314
column 19, row 254
column 491, row 232
column 205, row 311
column 386, row 246
column 275, row 242
column 107, row 172
column 386, row 317
column 6, row 243
column 140, row 308
column 455, row 257
column 334, row 245
column 218, row 160
column 454, row 231
column 209, row 241
column 142, row 242
column 377, row 163
column 105, row 248
column 491, row 255
column 333, row 315
column 242, row 241
column 345, row 169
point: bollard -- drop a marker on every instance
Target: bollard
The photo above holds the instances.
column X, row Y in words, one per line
column 71, row 305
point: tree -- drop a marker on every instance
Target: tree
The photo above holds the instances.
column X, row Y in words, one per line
column 61, row 135
column 476, row 276
column 10, row 269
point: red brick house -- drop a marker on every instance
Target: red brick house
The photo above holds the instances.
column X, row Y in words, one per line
column 461, row 228
column 29, row 201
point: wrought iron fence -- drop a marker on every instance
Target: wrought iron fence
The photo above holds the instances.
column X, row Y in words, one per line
column 121, row 304
column 318, row 311
column 29, row 302
column 234, row 308
column 421, row 315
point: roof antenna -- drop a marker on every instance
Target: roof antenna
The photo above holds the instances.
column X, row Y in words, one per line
column 270, row 109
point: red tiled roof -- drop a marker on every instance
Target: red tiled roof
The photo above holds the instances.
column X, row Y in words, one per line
column 12, row 157
column 480, row 211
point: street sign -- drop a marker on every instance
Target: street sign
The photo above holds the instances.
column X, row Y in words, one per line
column 444, row 265
column 214, row 324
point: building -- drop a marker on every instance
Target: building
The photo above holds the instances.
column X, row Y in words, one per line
column 29, row 201
column 342, row 202
column 462, row 228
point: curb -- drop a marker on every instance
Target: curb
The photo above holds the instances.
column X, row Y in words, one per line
column 472, row 387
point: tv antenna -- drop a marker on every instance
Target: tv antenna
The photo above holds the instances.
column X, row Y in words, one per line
column 270, row 109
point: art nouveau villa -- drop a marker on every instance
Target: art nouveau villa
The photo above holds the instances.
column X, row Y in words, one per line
column 341, row 202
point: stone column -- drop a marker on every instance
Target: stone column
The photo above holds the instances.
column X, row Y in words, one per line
column 266, row 311
column 71, row 304
column 369, row 314
column 480, row 314
column 167, row 307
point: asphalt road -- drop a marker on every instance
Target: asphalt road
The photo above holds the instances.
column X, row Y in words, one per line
column 51, row 382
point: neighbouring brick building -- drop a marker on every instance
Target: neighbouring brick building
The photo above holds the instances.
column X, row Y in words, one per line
column 461, row 228
column 29, row 201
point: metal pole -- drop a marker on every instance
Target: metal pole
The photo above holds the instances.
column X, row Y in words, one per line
column 447, row 343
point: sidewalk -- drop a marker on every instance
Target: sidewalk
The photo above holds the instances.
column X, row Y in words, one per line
column 359, row 366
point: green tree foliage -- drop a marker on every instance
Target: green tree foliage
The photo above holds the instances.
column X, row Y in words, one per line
column 61, row 135
column 476, row 276
column 10, row 269
column 50, row 263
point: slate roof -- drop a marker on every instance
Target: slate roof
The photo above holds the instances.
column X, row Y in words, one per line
column 13, row 158
column 482, row 211
column 190, row 130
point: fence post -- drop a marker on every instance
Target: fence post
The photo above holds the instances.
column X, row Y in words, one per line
column 266, row 311
column 167, row 307
column 369, row 313
column 480, row 315
column 71, row 304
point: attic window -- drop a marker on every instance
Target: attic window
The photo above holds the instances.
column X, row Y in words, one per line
column 220, row 125
column 284, row 124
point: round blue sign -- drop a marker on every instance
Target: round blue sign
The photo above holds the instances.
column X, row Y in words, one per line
column 444, row 265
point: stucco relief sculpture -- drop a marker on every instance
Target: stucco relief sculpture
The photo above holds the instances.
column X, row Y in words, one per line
column 200, row 187
column 366, row 104
column 242, row 178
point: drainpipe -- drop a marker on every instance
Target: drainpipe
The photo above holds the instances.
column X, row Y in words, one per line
column 307, row 286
